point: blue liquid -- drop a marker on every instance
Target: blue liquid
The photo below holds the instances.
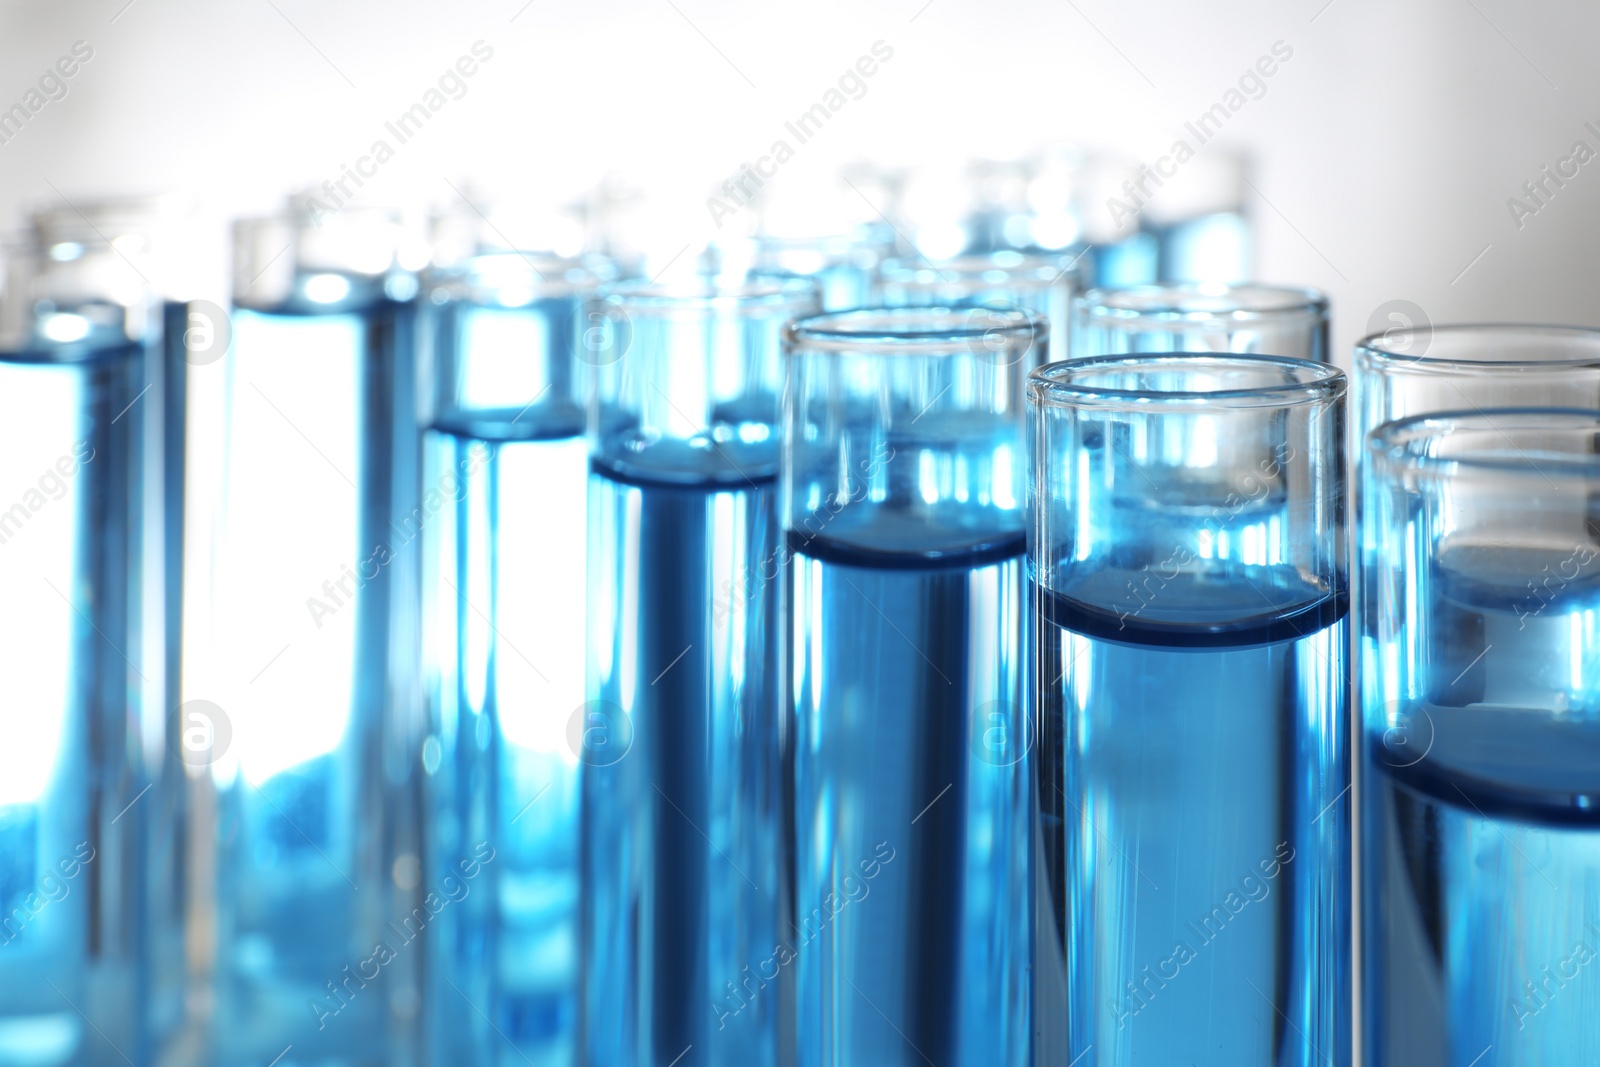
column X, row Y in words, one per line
column 1131, row 261
column 683, row 842
column 507, row 572
column 73, row 948
column 1195, row 829
column 911, row 808
column 1483, row 822
column 319, row 533
column 1211, row 248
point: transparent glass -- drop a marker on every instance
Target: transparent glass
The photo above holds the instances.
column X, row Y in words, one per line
column 902, row 556
column 82, row 743
column 1198, row 218
column 304, row 674
column 1418, row 370
column 1249, row 318
column 1212, row 248
column 1189, row 622
column 504, row 564
column 1481, row 739
column 843, row 265
column 106, row 270
column 1043, row 284
column 681, row 800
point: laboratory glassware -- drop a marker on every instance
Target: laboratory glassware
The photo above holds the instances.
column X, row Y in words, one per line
column 1187, row 560
column 902, row 560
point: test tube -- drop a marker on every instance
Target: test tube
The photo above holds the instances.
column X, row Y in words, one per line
column 1480, row 864
column 1043, row 283
column 843, row 265
column 1205, row 317
column 504, row 571
column 111, row 259
column 1187, row 560
column 903, row 539
column 82, row 743
column 1419, row 369
column 683, row 843
column 1122, row 250
column 302, row 703
column 1199, row 221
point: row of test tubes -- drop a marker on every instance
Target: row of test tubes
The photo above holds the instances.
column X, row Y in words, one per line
column 792, row 664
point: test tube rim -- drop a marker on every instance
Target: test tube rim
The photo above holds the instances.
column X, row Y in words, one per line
column 837, row 246
column 1317, row 383
column 1371, row 353
column 752, row 297
column 1397, row 447
column 1030, row 271
column 582, row 274
column 1171, row 311
column 811, row 335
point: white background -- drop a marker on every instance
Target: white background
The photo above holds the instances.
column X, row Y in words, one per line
column 1384, row 152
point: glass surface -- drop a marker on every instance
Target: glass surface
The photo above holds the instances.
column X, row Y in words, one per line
column 504, row 570
column 681, row 799
column 1412, row 369
column 320, row 906
column 903, row 529
column 1209, row 248
column 1042, row 284
column 843, row 265
column 1481, row 739
column 74, row 941
column 1202, row 317
column 1190, row 602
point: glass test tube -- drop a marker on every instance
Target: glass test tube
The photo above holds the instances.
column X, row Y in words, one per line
column 1249, row 318
column 903, row 539
column 305, row 692
column 1481, row 736
column 1199, row 222
column 1122, row 250
column 683, row 848
column 1187, row 556
column 504, row 612
column 82, row 743
column 111, row 259
column 1417, row 370
column 1041, row 283
column 842, row 265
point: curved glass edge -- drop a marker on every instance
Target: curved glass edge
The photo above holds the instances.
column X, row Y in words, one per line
column 1409, row 445
column 1314, row 382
